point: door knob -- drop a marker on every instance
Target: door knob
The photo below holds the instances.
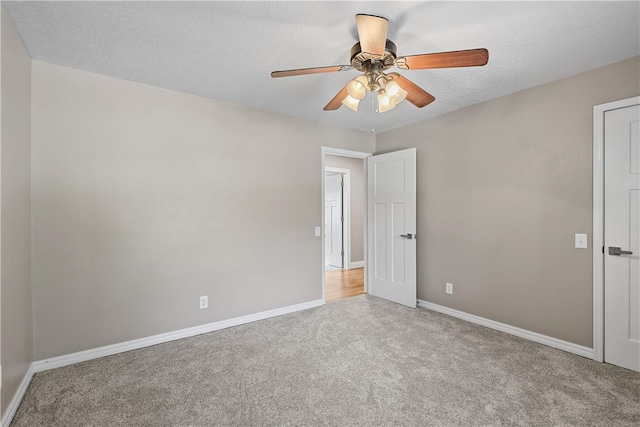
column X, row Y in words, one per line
column 614, row 250
column 409, row 236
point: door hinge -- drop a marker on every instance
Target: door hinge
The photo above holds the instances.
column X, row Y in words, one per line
column 603, row 249
column 341, row 183
column 342, row 253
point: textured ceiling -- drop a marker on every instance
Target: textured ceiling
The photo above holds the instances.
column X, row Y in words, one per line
column 226, row 50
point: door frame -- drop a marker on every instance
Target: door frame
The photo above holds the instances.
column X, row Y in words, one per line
column 598, row 220
column 344, row 153
column 346, row 213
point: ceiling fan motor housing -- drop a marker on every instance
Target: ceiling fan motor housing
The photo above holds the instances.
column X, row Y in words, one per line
column 362, row 61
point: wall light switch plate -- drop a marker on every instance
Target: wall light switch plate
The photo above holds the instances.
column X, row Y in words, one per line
column 318, row 232
column 449, row 288
column 581, row 241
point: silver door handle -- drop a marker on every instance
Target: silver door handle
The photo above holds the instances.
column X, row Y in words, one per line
column 614, row 250
column 409, row 236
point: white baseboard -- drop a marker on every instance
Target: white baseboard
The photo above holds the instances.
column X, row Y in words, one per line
column 83, row 356
column 17, row 397
column 357, row 264
column 503, row 327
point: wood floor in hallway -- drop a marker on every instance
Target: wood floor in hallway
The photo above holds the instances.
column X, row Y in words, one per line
column 341, row 284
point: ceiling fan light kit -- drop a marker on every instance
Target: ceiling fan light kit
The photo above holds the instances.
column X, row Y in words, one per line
column 351, row 102
column 390, row 96
column 374, row 54
column 358, row 87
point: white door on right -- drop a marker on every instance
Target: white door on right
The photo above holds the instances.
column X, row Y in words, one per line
column 622, row 237
column 391, row 223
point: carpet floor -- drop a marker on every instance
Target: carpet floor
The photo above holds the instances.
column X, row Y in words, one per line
column 361, row 361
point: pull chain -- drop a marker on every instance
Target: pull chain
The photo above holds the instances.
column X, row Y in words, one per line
column 373, row 107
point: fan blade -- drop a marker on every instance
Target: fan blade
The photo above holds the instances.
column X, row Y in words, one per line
column 372, row 32
column 460, row 58
column 336, row 102
column 415, row 94
column 316, row 70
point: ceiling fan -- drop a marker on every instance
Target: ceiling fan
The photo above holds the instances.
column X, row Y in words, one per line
column 374, row 54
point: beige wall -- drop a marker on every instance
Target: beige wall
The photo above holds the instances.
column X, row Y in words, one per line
column 145, row 199
column 502, row 188
column 16, row 327
column 358, row 195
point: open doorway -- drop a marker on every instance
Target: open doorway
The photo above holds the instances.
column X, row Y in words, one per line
column 344, row 221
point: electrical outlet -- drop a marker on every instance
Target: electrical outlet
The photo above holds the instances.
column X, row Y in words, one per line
column 204, row 302
column 449, row 288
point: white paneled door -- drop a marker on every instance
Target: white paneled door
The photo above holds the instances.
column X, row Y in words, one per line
column 391, row 237
column 333, row 217
column 622, row 237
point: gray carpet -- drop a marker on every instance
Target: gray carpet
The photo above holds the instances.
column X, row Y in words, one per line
column 362, row 361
